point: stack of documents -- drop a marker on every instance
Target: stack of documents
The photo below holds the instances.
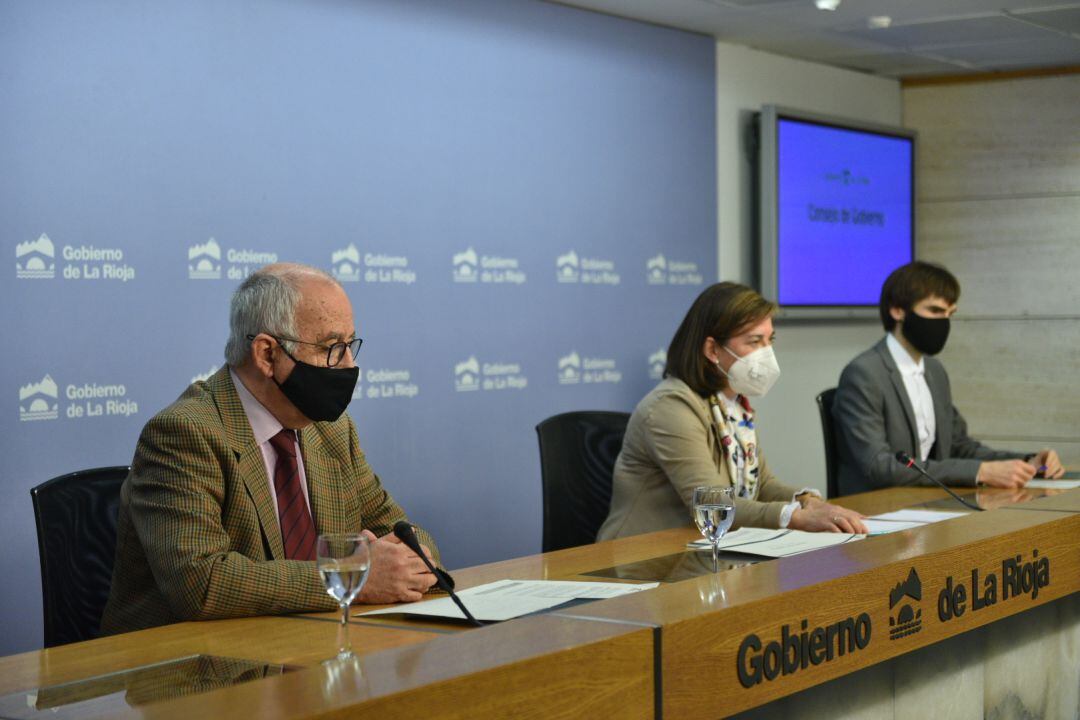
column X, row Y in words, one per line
column 906, row 520
column 506, row 599
column 1063, row 484
column 775, row 543
column 782, row 543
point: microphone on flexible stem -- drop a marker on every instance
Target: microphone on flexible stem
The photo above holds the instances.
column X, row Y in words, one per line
column 904, row 459
column 404, row 532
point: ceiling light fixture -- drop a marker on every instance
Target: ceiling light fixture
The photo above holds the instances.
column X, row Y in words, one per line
column 878, row 22
column 827, row 4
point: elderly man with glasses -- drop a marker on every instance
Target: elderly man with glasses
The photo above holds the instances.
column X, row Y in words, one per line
column 232, row 483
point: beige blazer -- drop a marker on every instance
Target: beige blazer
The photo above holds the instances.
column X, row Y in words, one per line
column 670, row 447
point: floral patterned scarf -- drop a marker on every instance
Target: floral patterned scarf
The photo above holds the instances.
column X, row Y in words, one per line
column 738, row 440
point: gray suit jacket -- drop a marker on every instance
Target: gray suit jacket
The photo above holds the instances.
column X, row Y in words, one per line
column 874, row 419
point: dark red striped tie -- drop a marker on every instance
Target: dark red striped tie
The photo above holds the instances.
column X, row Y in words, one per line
column 297, row 529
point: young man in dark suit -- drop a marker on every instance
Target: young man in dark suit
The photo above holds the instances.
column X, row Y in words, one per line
column 896, row 396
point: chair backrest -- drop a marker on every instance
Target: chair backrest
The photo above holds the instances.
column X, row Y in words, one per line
column 76, row 528
column 577, row 458
column 828, row 430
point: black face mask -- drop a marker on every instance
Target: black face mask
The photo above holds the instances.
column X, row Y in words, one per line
column 927, row 335
column 320, row 393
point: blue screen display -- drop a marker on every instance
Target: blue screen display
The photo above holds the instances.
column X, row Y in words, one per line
column 844, row 219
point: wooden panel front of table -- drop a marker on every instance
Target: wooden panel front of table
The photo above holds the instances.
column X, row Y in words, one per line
column 642, row 655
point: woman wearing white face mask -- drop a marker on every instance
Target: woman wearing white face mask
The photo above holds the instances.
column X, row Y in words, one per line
column 697, row 427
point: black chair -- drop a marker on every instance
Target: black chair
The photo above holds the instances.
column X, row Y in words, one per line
column 832, row 469
column 76, row 529
column 577, row 458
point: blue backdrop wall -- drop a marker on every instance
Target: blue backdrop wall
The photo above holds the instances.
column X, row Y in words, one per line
column 519, row 198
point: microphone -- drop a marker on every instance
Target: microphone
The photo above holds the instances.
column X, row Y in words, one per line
column 405, row 533
column 904, row 459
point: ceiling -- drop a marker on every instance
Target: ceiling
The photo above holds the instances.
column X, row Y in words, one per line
column 921, row 37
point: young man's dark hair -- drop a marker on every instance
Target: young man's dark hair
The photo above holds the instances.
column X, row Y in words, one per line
column 720, row 312
column 909, row 284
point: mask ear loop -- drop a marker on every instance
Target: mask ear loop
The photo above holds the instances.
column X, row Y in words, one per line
column 284, row 350
column 277, row 344
column 288, row 354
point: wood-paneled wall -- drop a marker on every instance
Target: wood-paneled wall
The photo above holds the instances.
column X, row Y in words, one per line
column 999, row 204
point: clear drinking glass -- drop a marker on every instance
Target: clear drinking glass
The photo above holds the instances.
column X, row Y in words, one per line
column 344, row 562
column 714, row 511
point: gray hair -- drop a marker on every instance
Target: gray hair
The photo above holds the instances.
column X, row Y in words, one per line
column 266, row 302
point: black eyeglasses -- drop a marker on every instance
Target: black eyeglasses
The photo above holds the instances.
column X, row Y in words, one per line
column 334, row 353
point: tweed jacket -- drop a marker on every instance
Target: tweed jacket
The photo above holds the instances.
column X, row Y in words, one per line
column 670, row 448
column 197, row 534
column 874, row 419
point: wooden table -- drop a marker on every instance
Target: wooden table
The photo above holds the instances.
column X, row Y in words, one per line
column 709, row 621
column 643, row 655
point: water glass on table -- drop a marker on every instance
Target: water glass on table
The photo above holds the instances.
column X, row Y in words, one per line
column 714, row 511
column 344, row 561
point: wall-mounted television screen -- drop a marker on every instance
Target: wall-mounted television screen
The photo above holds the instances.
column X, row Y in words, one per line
column 837, row 211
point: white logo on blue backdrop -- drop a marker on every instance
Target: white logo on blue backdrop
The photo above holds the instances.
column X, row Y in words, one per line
column 382, row 268
column 466, row 266
column 384, row 383
column 664, row 271
column 656, row 270
column 345, row 264
column 569, row 268
column 358, row 391
column 657, row 361
column 204, row 261
column 599, row 370
column 94, row 263
column 93, row 400
column 37, row 401
column 467, row 375
column 470, row 375
column 570, row 369
column 503, row 376
column 574, row 369
column 492, row 269
column 35, row 260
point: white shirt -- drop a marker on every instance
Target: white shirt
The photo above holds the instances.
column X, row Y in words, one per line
column 918, row 392
column 265, row 426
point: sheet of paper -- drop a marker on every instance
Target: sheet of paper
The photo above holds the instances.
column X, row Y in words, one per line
column 506, row 599
column 883, row 527
column 776, row 543
column 918, row 516
column 1058, row 484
